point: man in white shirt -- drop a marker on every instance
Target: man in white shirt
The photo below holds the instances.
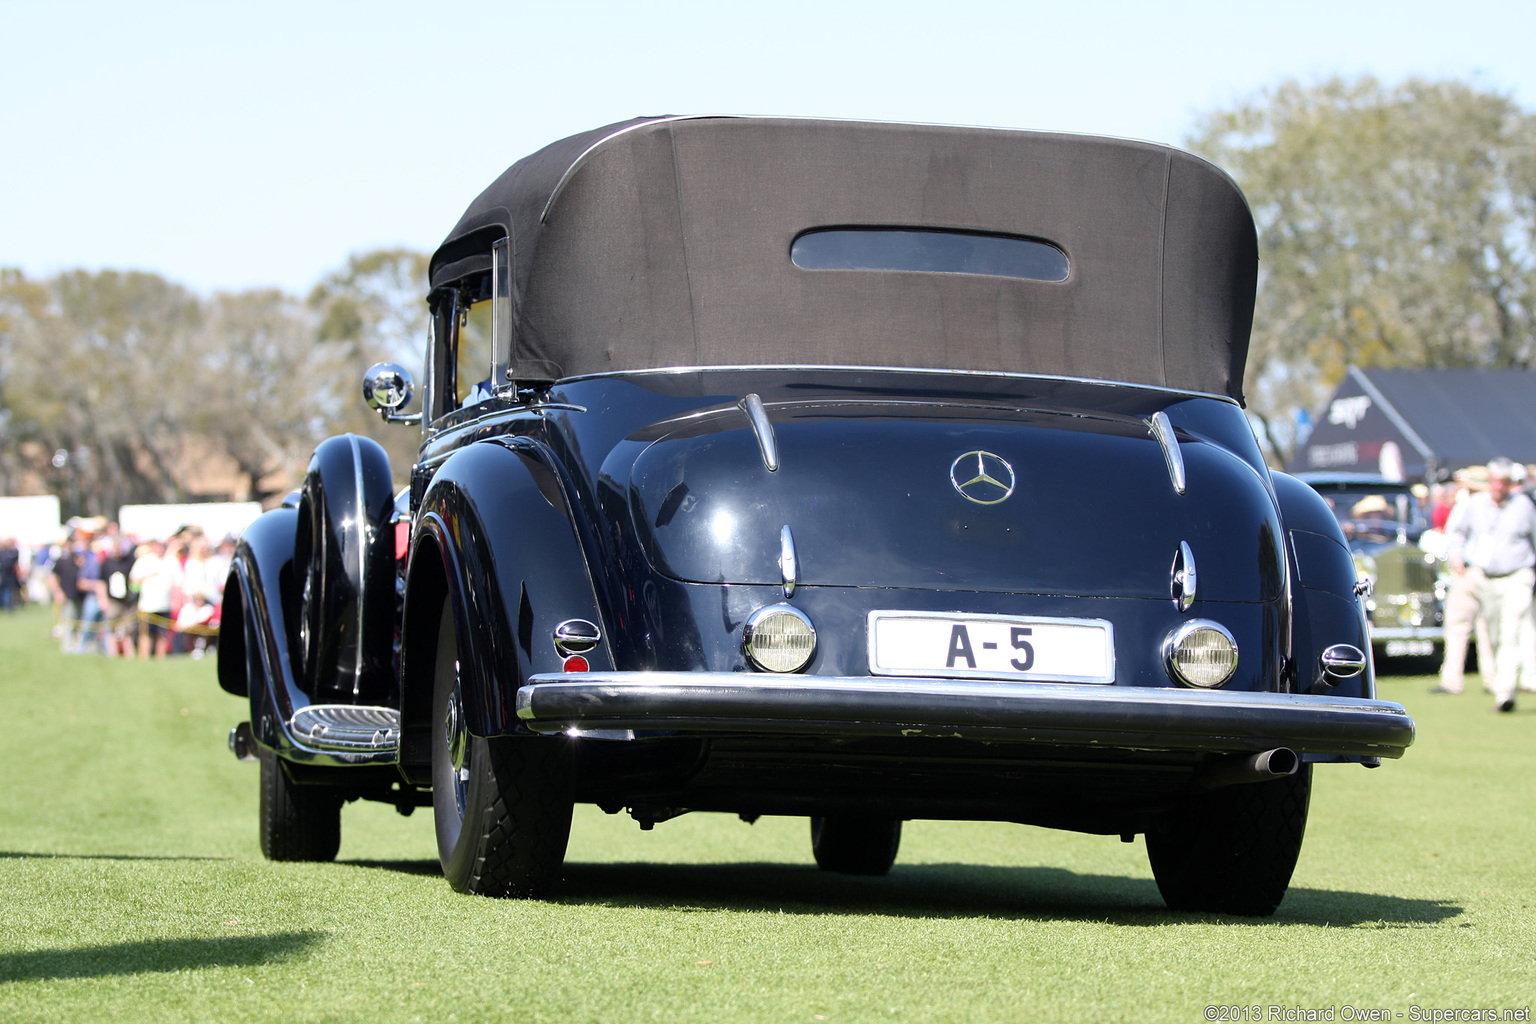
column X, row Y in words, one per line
column 1497, row 535
column 152, row 575
column 1463, row 617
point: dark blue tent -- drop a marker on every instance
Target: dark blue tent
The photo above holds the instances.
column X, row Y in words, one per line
column 1423, row 424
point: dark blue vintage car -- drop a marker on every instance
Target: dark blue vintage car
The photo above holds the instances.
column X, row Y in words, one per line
column 861, row 472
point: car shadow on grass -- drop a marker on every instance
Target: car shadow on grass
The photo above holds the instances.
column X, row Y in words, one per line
column 944, row 890
column 155, row 956
column 404, row 867
column 958, row 890
column 22, row 855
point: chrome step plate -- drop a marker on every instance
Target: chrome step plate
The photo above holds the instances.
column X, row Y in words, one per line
column 346, row 727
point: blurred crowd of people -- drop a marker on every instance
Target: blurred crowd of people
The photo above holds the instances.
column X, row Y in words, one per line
column 117, row 595
column 1487, row 520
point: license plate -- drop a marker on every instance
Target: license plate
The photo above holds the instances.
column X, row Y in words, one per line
column 1410, row 648
column 961, row 646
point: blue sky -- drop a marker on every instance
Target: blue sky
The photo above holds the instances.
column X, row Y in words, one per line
column 230, row 146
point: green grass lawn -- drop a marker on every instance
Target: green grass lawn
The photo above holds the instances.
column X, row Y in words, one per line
column 133, row 889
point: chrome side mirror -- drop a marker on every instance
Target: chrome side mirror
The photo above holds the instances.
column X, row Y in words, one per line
column 387, row 388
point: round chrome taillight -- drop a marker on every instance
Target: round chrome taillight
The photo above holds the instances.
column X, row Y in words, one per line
column 1200, row 653
column 779, row 638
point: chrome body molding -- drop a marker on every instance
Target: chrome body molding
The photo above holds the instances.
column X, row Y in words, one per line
column 939, row 371
column 762, row 427
column 1162, row 429
column 789, row 562
column 346, row 727
column 1185, row 578
column 1124, row 717
column 540, row 406
column 361, row 555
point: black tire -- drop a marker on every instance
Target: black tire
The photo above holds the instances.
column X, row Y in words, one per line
column 852, row 844
column 1232, row 851
column 502, row 806
column 300, row 823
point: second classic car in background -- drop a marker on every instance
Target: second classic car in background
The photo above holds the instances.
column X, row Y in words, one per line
column 1383, row 521
column 860, row 472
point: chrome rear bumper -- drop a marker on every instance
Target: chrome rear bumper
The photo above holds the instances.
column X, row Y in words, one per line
column 1137, row 718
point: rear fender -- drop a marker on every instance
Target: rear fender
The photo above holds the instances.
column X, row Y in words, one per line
column 345, row 568
column 495, row 536
column 257, row 655
column 1326, row 609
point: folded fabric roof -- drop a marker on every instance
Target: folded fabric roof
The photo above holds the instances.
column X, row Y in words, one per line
column 666, row 242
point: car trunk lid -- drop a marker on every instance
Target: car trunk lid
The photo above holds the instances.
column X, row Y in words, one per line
column 1056, row 501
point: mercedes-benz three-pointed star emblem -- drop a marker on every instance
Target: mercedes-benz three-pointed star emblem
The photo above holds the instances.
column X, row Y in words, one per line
column 982, row 477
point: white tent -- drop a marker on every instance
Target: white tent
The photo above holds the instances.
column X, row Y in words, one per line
column 218, row 519
column 31, row 520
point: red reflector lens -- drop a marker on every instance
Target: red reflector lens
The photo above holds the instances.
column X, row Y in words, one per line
column 576, row 663
column 402, row 539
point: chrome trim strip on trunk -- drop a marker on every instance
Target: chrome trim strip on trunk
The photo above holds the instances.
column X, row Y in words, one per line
column 1127, row 717
column 1162, row 429
column 762, row 427
column 684, row 371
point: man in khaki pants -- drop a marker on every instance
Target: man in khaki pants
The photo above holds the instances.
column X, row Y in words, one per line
column 1496, row 535
column 1463, row 614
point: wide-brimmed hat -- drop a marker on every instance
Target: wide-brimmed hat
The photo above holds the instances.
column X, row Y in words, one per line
column 1474, row 477
column 89, row 525
column 1367, row 505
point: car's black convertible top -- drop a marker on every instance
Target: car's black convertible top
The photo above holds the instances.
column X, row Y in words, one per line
column 633, row 247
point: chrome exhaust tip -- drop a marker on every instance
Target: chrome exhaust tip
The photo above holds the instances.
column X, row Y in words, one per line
column 1239, row 769
column 242, row 742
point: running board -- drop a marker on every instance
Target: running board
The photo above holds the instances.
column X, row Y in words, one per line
column 346, row 727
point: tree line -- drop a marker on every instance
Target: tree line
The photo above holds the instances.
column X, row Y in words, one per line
column 1397, row 228
column 115, row 385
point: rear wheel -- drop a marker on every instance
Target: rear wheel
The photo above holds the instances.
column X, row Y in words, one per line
column 297, row 822
column 853, row 844
column 1232, row 851
column 502, row 806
